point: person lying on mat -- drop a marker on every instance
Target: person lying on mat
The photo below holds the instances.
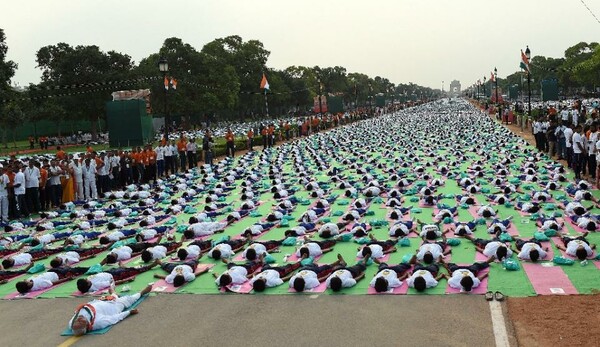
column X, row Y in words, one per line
column 429, row 231
column 424, row 276
column 549, row 223
column 75, row 256
column 575, row 208
column 540, row 196
column 111, row 277
column 578, row 247
column 100, row 314
column 466, row 277
column 465, row 199
column 159, row 251
column 498, row 226
column 499, row 199
column 236, row 273
column 257, row 229
column 347, row 277
column 402, row 228
column 226, row 249
column 329, row 230
column 194, row 250
column 528, row 207
column 585, row 222
column 300, row 230
column 462, row 229
column 491, row 248
column 310, row 276
column 314, row 249
column 80, row 238
column 50, row 278
column 376, row 249
column 203, row 229
column 443, row 213
column 486, row 211
column 6, row 276
column 530, row 250
column 430, row 252
column 180, row 273
column 272, row 276
column 125, row 252
column 389, row 276
column 115, row 236
column 26, row 258
column 258, row 248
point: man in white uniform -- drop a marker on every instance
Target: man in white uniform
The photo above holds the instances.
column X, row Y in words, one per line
column 89, row 179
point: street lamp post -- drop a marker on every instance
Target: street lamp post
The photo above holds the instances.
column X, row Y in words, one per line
column 528, row 55
column 320, row 104
column 497, row 100
column 163, row 66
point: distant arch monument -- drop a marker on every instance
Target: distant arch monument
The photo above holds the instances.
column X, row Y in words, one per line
column 454, row 88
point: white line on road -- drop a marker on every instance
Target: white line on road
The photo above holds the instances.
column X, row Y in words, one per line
column 498, row 325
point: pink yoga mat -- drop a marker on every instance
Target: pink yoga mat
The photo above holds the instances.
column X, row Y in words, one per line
column 473, row 211
column 294, row 258
column 403, row 289
column 481, row 289
column 548, row 280
column 29, row 295
column 597, row 264
column 161, row 286
column 318, row 289
column 244, row 288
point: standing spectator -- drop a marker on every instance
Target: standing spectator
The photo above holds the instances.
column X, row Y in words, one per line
column 4, row 182
column 19, row 187
column 265, row 135
column 191, row 153
column 208, row 145
column 67, row 183
column 55, row 187
column 551, row 136
column 181, row 149
column 578, row 151
column 32, row 186
column 76, row 170
column 560, row 141
column 44, row 185
column 102, row 170
column 229, row 144
column 568, row 132
column 126, row 171
column 173, row 161
column 592, row 138
column 115, row 168
column 31, row 142
column 160, row 159
column 60, row 154
column 250, row 139
column 151, row 166
column 89, row 179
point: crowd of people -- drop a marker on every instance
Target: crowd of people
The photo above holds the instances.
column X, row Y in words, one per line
column 383, row 183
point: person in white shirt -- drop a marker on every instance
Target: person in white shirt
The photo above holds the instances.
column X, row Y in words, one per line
column 237, row 274
column 99, row 314
column 191, row 149
column 578, row 247
column 389, row 277
column 348, row 276
column 272, row 276
column 575, row 116
column 32, row 186
column 315, row 249
column 4, row 182
column 578, row 151
column 466, row 277
column 530, row 250
column 111, row 277
column 89, row 179
column 77, row 172
column 591, row 151
column 491, row 248
column 310, row 276
column 54, row 174
column 430, row 252
column 203, row 229
column 423, row 277
column 180, row 274
column 48, row 279
column 568, row 132
column 377, row 249
column 160, row 160
column 21, row 209
column 226, row 249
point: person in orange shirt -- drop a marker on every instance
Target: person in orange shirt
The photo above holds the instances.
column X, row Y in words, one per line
column 89, row 149
column 271, row 135
column 250, row 139
column 229, row 144
column 286, row 127
column 181, row 148
column 264, row 133
column 60, row 154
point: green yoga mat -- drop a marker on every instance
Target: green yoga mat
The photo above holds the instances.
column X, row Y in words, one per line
column 69, row 332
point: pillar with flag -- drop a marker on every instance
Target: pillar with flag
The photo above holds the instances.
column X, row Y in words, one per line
column 264, row 85
column 524, row 62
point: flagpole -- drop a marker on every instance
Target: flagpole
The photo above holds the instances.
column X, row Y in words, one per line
column 266, row 103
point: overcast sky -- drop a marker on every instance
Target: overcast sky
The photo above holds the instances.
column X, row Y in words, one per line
column 420, row 41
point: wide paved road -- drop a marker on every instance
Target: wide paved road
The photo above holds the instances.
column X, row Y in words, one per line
column 260, row 320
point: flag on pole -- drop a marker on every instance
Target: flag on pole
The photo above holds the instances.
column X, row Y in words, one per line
column 524, row 62
column 166, row 83
column 173, row 83
column 264, row 84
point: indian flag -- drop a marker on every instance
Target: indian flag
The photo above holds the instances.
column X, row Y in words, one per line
column 264, row 84
column 524, row 62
